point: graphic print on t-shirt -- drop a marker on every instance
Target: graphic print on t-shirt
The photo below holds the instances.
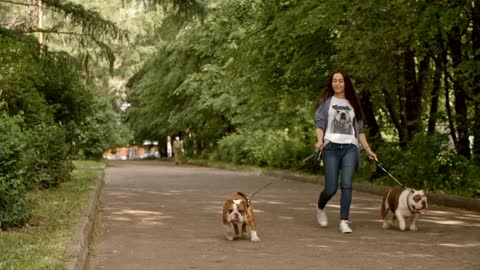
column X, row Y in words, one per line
column 342, row 122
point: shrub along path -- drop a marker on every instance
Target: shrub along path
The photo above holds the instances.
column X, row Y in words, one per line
column 160, row 216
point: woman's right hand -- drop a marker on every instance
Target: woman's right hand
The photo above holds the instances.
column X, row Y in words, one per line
column 319, row 145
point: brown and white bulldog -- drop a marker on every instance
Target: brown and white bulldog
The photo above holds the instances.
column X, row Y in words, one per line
column 403, row 203
column 238, row 214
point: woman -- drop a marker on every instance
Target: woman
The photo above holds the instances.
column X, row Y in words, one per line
column 339, row 129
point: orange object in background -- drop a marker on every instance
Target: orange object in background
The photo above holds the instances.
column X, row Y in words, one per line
column 132, row 152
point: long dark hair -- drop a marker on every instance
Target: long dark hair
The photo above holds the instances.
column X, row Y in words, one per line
column 350, row 94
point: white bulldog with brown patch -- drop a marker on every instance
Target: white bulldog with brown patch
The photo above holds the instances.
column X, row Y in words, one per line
column 403, row 203
column 238, row 214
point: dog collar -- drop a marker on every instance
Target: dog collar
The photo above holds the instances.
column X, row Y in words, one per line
column 413, row 211
column 408, row 205
column 247, row 199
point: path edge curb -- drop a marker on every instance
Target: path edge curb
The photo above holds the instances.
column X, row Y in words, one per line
column 77, row 249
column 433, row 198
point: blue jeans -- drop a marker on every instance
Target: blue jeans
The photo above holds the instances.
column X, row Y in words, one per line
column 336, row 158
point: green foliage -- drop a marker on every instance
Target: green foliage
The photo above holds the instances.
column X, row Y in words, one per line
column 260, row 65
column 227, row 73
column 41, row 245
column 272, row 148
column 100, row 131
column 155, row 104
column 51, row 161
column 92, row 24
column 90, row 125
column 429, row 163
column 50, row 111
column 15, row 209
column 20, row 72
column 64, row 90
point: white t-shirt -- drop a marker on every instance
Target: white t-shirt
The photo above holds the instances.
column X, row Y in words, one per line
column 340, row 128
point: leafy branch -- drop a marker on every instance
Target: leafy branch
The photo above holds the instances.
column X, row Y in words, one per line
column 17, row 3
column 90, row 21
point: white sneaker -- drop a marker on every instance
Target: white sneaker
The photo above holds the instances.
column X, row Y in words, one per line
column 322, row 217
column 344, row 228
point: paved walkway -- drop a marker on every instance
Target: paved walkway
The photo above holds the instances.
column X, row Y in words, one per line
column 161, row 216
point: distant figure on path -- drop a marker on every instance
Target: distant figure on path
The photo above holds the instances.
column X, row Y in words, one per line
column 169, row 147
column 177, row 150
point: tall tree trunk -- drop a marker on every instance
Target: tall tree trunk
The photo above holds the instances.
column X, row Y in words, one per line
column 162, row 146
column 448, row 109
column 403, row 128
column 455, row 45
column 414, row 92
column 476, row 90
column 432, row 121
column 423, row 78
column 391, row 111
column 370, row 121
column 401, row 118
column 39, row 20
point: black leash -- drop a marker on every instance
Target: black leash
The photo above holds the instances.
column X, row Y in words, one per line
column 317, row 154
column 253, row 193
column 249, row 197
column 379, row 164
column 403, row 186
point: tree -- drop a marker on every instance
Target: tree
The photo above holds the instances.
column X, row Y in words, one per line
column 87, row 27
column 476, row 89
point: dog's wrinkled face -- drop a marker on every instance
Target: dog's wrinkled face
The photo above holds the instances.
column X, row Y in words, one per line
column 342, row 116
column 342, row 122
column 236, row 211
column 418, row 201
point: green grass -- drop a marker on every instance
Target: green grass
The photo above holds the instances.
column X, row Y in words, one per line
column 89, row 164
column 41, row 243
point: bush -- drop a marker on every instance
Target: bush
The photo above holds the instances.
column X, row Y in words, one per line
column 429, row 163
column 29, row 158
column 273, row 148
column 50, row 158
column 15, row 209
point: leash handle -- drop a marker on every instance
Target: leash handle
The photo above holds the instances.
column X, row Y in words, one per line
column 317, row 154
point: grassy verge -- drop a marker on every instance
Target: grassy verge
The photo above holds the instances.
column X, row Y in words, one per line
column 41, row 243
column 89, row 164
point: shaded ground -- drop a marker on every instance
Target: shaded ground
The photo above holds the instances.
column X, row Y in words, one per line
column 161, row 216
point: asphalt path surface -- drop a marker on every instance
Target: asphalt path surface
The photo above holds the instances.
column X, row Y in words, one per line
column 156, row 215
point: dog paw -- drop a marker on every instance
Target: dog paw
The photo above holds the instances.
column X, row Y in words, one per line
column 229, row 237
column 255, row 239
column 385, row 225
column 413, row 228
